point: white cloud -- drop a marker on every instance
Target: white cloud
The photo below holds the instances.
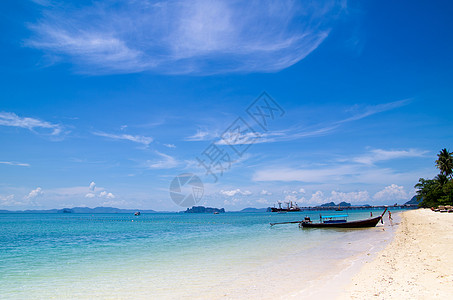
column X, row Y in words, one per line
column 72, row 192
column 66, row 197
column 179, row 37
column 102, row 194
column 14, row 163
column 350, row 197
column 235, row 201
column 294, row 196
column 318, row 198
column 322, row 196
column 202, row 135
column 304, row 175
column 340, row 174
column 67, row 192
column 13, row 120
column 264, row 201
column 170, row 145
column 167, row 162
column 377, row 155
column 375, row 109
column 264, row 192
column 106, row 195
column 391, row 193
column 275, row 136
column 291, row 197
column 322, row 129
column 231, row 193
column 118, row 203
column 347, row 171
column 8, row 201
column 290, row 192
column 34, row 193
column 238, row 138
column 133, row 138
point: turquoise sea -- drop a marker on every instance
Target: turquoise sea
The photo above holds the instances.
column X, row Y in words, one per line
column 176, row 255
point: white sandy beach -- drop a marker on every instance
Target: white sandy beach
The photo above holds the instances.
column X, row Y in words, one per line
column 417, row 264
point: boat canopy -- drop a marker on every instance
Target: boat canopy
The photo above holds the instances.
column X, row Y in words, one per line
column 335, row 216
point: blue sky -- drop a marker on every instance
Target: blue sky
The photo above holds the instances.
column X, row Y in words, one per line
column 104, row 103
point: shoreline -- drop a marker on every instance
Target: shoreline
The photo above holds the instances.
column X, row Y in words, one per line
column 333, row 283
column 417, row 264
column 256, row 262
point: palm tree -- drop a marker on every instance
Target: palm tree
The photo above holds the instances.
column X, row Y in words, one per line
column 441, row 180
column 444, row 162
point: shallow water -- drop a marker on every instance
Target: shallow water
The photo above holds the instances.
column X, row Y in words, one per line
column 231, row 255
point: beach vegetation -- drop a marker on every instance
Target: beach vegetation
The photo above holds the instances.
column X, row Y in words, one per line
column 439, row 190
column 444, row 162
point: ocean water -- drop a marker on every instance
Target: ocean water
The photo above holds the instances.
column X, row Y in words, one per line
column 175, row 255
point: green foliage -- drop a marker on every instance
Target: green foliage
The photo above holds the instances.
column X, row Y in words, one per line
column 437, row 191
column 447, row 198
column 444, row 162
column 429, row 191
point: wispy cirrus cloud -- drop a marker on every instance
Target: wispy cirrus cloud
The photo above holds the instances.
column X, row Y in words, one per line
column 165, row 162
column 181, row 37
column 140, row 139
column 360, row 169
column 358, row 113
column 35, row 125
column 14, row 163
column 377, row 155
column 202, row 135
column 325, row 127
column 305, row 174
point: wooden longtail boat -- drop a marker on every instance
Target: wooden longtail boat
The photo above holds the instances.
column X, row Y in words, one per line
column 333, row 221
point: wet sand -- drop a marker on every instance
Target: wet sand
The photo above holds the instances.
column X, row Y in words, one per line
column 417, row 264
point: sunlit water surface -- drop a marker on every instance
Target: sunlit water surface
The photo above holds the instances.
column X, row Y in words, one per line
column 174, row 256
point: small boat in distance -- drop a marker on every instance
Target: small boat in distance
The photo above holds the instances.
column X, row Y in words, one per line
column 137, row 213
column 339, row 208
column 339, row 221
column 289, row 207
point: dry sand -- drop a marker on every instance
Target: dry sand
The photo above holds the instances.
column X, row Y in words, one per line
column 417, row 264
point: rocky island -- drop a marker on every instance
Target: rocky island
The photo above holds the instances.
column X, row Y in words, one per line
column 204, row 210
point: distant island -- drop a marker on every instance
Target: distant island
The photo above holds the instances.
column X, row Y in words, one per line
column 342, row 204
column 414, row 202
column 82, row 210
column 204, row 210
